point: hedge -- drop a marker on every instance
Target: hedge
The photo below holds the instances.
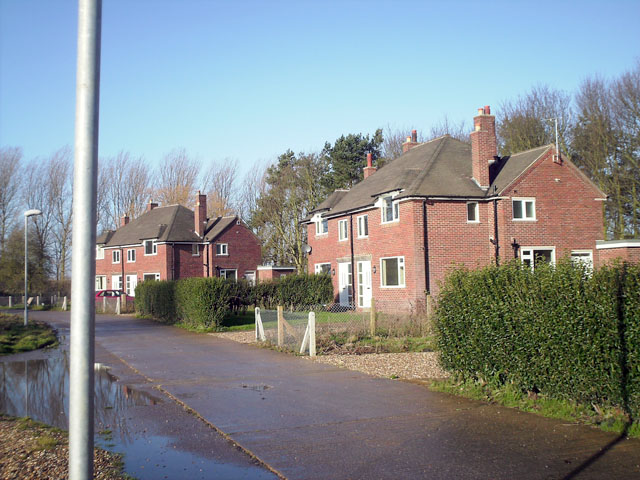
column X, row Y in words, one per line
column 564, row 331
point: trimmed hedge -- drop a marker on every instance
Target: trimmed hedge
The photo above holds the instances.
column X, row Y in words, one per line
column 563, row 331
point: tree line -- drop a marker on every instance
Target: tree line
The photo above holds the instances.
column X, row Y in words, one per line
column 598, row 129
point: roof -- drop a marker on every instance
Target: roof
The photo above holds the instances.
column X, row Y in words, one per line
column 215, row 227
column 173, row 223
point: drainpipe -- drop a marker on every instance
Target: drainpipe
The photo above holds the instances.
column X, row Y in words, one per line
column 427, row 286
column 353, row 270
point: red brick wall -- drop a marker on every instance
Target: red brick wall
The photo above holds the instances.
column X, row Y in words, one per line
column 245, row 252
column 567, row 215
column 627, row 254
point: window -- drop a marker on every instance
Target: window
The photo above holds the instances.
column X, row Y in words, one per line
column 343, row 230
column 131, row 255
column 322, row 227
column 392, row 272
column 322, row 268
column 116, row 282
column 583, row 257
column 472, row 212
column 222, row 249
column 150, row 276
column 390, row 210
column 115, row 256
column 524, row 208
column 101, row 282
column 533, row 256
column 99, row 252
column 150, row 247
column 229, row 274
column 363, row 226
column 195, row 250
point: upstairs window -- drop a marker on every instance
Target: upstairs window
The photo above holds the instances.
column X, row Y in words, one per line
column 322, row 227
column 115, row 256
column 472, row 212
column 222, row 249
column 390, row 210
column 131, row 255
column 150, row 247
column 524, row 208
column 363, row 226
column 343, row 230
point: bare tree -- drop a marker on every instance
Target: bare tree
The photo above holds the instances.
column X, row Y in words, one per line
column 176, row 183
column 125, row 187
column 527, row 123
column 10, row 180
column 219, row 184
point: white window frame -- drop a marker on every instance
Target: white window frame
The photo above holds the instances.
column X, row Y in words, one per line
column 115, row 256
column 116, row 282
column 523, row 201
column 363, row 225
column 531, row 257
column 155, row 275
column 131, row 255
column 225, row 270
column 322, row 226
column 154, row 247
column 99, row 252
column 385, row 206
column 195, row 249
column 476, row 212
column 101, row 282
column 318, row 267
column 343, row 230
column 401, row 265
column 222, row 249
column 577, row 256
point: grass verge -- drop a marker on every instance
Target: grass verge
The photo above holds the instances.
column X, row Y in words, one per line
column 609, row 419
column 16, row 338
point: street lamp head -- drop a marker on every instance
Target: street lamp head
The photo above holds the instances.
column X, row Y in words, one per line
column 32, row 212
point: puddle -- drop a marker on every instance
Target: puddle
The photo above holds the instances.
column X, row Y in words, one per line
column 157, row 438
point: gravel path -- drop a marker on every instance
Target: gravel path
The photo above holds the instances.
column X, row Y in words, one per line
column 414, row 365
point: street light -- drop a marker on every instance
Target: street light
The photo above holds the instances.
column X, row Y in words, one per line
column 27, row 214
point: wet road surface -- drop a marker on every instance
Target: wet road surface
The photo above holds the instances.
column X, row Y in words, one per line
column 308, row 420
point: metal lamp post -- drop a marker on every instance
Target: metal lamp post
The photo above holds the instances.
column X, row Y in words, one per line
column 27, row 214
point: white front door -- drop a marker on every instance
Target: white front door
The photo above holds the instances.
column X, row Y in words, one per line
column 132, row 281
column 345, row 283
column 364, row 284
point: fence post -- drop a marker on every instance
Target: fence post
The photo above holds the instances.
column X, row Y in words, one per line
column 372, row 318
column 10, row 301
column 64, row 303
column 312, row 334
column 280, row 326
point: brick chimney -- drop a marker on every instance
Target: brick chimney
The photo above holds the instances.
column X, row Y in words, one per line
column 151, row 206
column 124, row 220
column 411, row 142
column 200, row 214
column 369, row 169
column 484, row 147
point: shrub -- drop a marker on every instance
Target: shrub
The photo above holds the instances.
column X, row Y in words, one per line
column 563, row 331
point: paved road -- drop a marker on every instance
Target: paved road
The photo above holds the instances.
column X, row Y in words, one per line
column 306, row 420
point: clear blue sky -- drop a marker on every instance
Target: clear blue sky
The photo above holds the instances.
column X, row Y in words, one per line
column 250, row 79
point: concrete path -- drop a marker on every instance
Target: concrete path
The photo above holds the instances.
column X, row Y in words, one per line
column 307, row 420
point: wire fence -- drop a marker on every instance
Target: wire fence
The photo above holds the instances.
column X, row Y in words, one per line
column 291, row 328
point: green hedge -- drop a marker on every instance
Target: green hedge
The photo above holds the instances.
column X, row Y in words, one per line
column 563, row 331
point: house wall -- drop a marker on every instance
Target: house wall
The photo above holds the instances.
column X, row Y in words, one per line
column 158, row 263
column 245, row 252
column 568, row 216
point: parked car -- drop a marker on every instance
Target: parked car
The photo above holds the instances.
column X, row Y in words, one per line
column 112, row 294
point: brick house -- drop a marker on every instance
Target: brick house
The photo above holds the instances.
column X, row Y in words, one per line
column 173, row 242
column 444, row 203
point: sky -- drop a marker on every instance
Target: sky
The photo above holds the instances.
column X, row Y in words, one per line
column 247, row 80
